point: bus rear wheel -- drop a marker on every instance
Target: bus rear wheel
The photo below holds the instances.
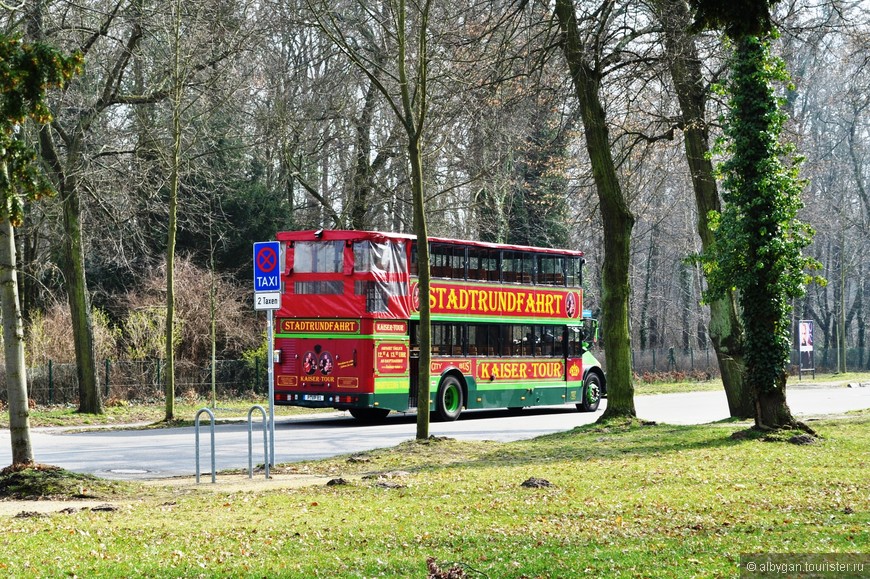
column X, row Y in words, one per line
column 591, row 394
column 369, row 415
column 449, row 401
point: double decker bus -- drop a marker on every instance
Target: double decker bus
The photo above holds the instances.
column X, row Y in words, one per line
column 507, row 326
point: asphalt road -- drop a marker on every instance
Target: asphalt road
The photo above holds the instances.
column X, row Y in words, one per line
column 148, row 454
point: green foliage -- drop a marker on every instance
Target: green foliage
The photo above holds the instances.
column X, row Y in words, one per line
column 27, row 71
column 736, row 17
column 759, row 239
column 145, row 332
column 538, row 202
column 256, row 357
column 48, row 336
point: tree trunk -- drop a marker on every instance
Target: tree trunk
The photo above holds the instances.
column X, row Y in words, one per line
column 362, row 183
column 420, row 230
column 726, row 332
column 840, row 296
column 172, row 225
column 414, row 115
column 79, row 300
column 771, row 409
column 651, row 264
column 13, row 344
column 755, row 131
column 617, row 219
column 686, row 302
column 73, row 262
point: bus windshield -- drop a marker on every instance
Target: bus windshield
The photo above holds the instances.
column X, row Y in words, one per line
column 318, row 257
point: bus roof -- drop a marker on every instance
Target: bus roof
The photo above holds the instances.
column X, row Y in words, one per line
column 348, row 234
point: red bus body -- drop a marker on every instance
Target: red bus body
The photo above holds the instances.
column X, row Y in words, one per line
column 346, row 331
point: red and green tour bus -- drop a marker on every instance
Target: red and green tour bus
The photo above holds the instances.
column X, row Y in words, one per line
column 507, row 326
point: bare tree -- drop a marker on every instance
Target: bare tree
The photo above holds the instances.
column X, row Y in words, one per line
column 584, row 59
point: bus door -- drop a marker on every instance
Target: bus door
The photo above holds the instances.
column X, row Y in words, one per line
column 414, row 362
column 574, row 363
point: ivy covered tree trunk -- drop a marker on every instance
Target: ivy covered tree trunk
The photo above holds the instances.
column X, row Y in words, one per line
column 759, row 239
column 726, row 330
column 617, row 219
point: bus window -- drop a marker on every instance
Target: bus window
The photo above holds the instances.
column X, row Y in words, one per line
column 379, row 258
column 551, row 270
column 478, row 267
column 524, row 340
column 575, row 342
column 518, row 267
column 574, row 270
column 447, row 260
column 483, row 340
column 447, row 339
column 335, row 287
column 318, row 257
column 439, row 260
column 551, row 341
column 511, row 266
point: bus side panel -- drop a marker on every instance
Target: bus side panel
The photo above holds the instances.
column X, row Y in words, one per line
column 517, row 382
column 391, row 364
column 506, row 382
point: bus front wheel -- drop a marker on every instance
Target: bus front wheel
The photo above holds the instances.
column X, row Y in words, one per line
column 449, row 401
column 591, row 394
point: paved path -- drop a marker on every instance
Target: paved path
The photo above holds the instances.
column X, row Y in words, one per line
column 148, row 454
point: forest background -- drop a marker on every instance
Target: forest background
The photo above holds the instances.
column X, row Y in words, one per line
column 279, row 131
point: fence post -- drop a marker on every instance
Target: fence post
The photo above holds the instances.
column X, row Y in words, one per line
column 654, row 360
column 107, row 377
column 692, row 358
column 50, row 383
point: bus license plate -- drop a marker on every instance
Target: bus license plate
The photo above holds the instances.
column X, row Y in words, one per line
column 313, row 397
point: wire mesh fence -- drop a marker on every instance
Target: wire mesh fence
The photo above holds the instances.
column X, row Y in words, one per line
column 145, row 380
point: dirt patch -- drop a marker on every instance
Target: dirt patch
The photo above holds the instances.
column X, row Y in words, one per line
column 25, row 509
column 241, row 482
column 224, row 483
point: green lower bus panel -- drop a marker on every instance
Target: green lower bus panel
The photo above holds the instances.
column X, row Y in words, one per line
column 396, row 402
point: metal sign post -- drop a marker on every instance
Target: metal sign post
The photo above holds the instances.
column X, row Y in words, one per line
column 267, row 296
column 271, row 361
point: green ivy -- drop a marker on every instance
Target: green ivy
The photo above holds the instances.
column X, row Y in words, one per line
column 758, row 237
column 27, row 71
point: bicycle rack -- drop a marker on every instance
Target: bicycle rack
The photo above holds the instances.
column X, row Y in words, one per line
column 251, row 443
column 196, row 425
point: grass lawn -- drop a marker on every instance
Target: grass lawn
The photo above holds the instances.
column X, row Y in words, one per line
column 626, row 500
